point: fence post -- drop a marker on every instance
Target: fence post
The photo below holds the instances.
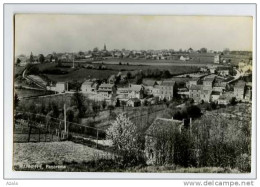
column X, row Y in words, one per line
column 97, row 139
column 30, row 129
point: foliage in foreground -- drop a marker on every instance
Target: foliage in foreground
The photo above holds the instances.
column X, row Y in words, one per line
column 126, row 139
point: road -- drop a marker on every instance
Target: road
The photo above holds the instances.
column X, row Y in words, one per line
column 236, row 77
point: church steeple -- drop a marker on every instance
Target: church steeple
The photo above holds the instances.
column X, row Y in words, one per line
column 105, row 48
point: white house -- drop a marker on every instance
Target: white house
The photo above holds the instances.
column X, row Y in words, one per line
column 89, row 87
column 61, row 87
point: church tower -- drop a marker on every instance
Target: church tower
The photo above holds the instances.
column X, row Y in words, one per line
column 105, row 48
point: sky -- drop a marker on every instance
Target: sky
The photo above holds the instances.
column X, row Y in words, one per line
column 47, row 33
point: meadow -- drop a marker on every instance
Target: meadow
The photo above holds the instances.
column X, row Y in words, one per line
column 80, row 73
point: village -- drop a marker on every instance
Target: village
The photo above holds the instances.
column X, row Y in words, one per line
column 157, row 102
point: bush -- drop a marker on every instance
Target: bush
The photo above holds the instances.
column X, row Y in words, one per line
column 244, row 163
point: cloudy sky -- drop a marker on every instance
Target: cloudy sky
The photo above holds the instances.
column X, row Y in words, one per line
column 43, row 33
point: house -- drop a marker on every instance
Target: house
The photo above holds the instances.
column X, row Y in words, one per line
column 149, row 85
column 212, row 69
column 248, row 94
column 89, row 86
column 184, row 58
column 107, row 91
column 161, row 130
column 193, row 81
column 112, row 79
column 223, row 100
column 241, row 65
column 165, row 90
column 219, row 86
column 239, row 90
column 194, row 92
column 223, row 72
column 205, row 95
column 122, row 93
column 61, row 87
column 215, row 96
column 208, row 83
column 204, row 69
column 136, row 91
column 133, row 102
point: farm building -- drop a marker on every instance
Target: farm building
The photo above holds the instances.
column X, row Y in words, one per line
column 160, row 140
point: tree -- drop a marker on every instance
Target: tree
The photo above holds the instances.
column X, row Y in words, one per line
column 193, row 111
column 41, row 58
column 95, row 108
column 81, row 53
column 117, row 103
column 18, row 61
column 31, row 58
column 104, row 104
column 95, row 49
column 226, row 51
column 203, row 50
column 139, row 78
column 34, row 70
column 129, row 75
column 78, row 100
column 125, row 137
column 233, row 101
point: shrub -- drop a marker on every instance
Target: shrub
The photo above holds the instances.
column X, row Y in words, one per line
column 244, row 163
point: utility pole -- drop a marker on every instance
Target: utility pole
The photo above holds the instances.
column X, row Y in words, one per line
column 65, row 127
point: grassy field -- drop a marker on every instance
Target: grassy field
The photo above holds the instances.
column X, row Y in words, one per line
column 56, row 153
column 151, row 62
column 74, row 157
column 28, row 93
column 80, row 74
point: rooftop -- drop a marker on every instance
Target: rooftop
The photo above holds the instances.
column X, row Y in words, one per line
column 107, row 85
column 195, row 87
column 135, row 87
column 167, row 83
column 215, row 93
column 209, row 79
column 87, row 82
column 134, row 99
